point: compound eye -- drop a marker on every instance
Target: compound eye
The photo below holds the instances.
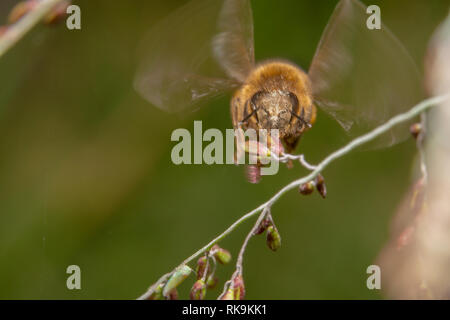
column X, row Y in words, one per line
column 251, row 107
column 295, row 111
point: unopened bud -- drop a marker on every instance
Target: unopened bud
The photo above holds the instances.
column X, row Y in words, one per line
column 239, row 288
column 229, row 295
column 262, row 226
column 253, row 173
column 212, row 281
column 415, row 129
column 320, row 185
column 173, row 295
column 179, row 275
column 273, row 238
column 223, row 256
column 20, row 10
column 201, row 267
column 306, row 188
column 157, row 293
column 198, row 290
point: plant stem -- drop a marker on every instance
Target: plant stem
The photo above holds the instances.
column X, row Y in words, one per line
column 18, row 30
column 403, row 117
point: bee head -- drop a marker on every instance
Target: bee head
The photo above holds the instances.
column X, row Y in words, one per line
column 274, row 109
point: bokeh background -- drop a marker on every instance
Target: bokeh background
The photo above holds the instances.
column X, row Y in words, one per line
column 86, row 176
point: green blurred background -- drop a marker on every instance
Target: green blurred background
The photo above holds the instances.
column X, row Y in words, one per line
column 86, row 176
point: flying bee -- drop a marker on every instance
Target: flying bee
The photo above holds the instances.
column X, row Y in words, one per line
column 275, row 95
column 360, row 77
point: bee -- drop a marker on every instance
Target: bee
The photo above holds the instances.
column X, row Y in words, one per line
column 360, row 77
column 275, row 95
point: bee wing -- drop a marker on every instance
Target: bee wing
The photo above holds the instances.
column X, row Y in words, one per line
column 198, row 52
column 363, row 77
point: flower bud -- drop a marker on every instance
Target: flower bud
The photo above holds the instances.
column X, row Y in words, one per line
column 415, row 129
column 201, row 267
column 229, row 295
column 306, row 188
column 157, row 293
column 253, row 173
column 320, row 185
column 223, row 256
column 262, row 226
column 212, row 281
column 173, row 295
column 179, row 275
column 238, row 288
column 273, row 238
column 198, row 290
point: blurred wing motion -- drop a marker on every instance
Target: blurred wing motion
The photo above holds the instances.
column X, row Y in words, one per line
column 198, row 52
column 363, row 77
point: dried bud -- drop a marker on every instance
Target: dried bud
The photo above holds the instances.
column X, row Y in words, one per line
column 157, row 293
column 198, row 290
column 229, row 295
column 212, row 281
column 273, row 238
column 239, row 288
column 20, row 10
column 57, row 13
column 173, row 295
column 201, row 267
column 223, row 256
column 306, row 188
column 263, row 226
column 180, row 274
column 320, row 185
column 415, row 129
column 253, row 173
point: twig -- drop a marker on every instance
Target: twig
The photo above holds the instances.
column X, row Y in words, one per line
column 240, row 257
column 17, row 30
column 403, row 117
column 420, row 147
column 301, row 158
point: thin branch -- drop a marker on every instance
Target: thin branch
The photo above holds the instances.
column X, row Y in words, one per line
column 420, row 147
column 240, row 257
column 18, row 30
column 403, row 117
